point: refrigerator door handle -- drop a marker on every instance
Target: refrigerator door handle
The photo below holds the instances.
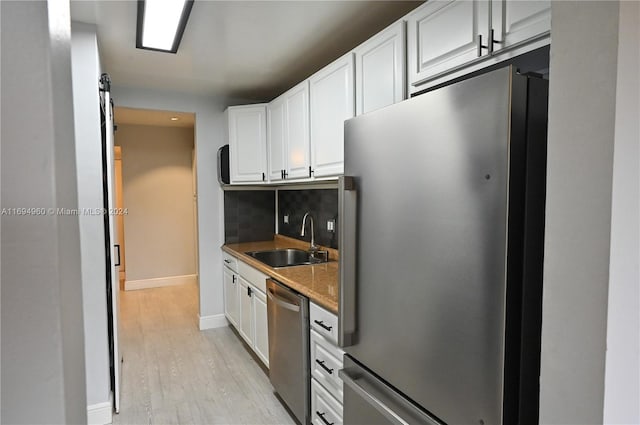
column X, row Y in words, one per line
column 382, row 398
column 347, row 237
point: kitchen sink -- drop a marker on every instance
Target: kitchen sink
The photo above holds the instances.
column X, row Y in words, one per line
column 288, row 257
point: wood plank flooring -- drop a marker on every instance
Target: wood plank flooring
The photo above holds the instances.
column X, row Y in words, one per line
column 174, row 373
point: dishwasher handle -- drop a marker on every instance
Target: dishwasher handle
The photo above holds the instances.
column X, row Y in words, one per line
column 281, row 302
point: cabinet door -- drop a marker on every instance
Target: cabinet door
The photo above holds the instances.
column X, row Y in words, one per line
column 246, row 312
column 247, row 143
column 297, row 124
column 231, row 307
column 276, row 138
column 332, row 97
column 260, row 326
column 515, row 22
column 445, row 34
column 380, row 69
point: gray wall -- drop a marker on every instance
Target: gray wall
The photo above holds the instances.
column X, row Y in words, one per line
column 622, row 378
column 42, row 368
column 580, row 158
column 158, row 195
column 86, row 72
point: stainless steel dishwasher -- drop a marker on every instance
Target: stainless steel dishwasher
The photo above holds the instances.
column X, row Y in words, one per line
column 288, row 316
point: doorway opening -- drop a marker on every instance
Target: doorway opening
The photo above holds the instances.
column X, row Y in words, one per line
column 157, row 198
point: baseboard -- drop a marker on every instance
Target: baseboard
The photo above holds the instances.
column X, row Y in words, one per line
column 158, row 282
column 100, row 414
column 213, row 321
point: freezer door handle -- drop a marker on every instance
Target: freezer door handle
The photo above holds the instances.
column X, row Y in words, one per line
column 383, row 398
column 347, row 234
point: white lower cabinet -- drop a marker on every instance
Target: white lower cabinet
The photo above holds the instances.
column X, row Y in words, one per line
column 230, row 295
column 245, row 306
column 260, row 326
column 325, row 409
column 326, row 361
column 245, row 327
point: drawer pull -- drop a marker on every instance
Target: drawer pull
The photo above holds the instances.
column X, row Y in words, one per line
column 323, row 326
column 227, row 261
column 321, row 416
column 321, row 363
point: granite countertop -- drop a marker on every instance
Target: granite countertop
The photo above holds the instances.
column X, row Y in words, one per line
column 319, row 282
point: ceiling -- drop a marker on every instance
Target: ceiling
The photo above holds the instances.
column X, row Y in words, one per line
column 251, row 50
column 153, row 117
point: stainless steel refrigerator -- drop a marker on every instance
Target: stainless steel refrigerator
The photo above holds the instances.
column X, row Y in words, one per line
column 441, row 244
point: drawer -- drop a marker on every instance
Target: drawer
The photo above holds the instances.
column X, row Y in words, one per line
column 326, row 361
column 253, row 276
column 324, row 322
column 230, row 261
column 324, row 408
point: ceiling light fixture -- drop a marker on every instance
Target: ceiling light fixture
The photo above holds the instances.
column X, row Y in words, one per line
column 161, row 24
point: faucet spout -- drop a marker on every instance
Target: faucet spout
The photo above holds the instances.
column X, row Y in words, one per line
column 312, row 244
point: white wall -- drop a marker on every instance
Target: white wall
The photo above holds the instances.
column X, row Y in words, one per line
column 622, row 378
column 584, row 40
column 208, row 137
column 86, row 73
column 158, row 196
column 43, row 367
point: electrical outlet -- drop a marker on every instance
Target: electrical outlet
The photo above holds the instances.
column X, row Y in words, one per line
column 286, row 219
column 331, row 225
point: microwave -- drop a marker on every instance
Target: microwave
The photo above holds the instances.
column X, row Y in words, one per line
column 223, row 165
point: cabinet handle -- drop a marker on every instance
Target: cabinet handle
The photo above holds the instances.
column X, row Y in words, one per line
column 282, row 174
column 262, row 176
column 233, row 278
column 323, row 326
column 285, row 174
column 321, row 363
column 248, row 291
column 321, row 416
column 480, row 45
column 493, row 41
column 227, row 261
column 310, row 171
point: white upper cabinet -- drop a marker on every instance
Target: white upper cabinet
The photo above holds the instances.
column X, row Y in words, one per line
column 445, row 34
column 447, row 39
column 297, row 127
column 515, row 22
column 247, row 136
column 332, row 97
column 380, row 69
column 288, row 139
column 276, row 143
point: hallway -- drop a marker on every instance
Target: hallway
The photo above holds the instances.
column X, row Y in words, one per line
column 175, row 374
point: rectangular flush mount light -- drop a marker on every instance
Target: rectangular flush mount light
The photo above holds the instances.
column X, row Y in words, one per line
column 161, row 24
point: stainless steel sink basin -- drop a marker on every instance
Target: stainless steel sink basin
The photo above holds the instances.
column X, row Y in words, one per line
column 288, row 257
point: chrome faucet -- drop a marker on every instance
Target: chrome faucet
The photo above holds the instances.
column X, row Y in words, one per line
column 312, row 247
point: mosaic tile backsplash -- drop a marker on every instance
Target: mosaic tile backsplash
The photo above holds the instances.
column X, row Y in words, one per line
column 249, row 215
column 323, row 205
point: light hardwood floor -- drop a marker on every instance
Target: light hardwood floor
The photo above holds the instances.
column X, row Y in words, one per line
column 174, row 373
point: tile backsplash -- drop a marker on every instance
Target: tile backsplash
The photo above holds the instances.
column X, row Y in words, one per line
column 323, row 205
column 249, row 215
